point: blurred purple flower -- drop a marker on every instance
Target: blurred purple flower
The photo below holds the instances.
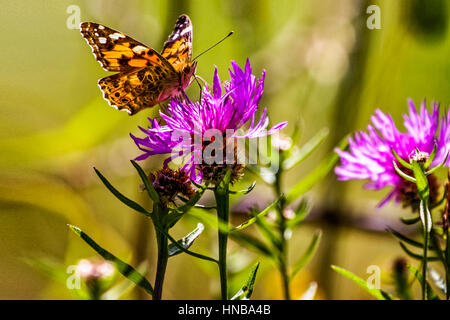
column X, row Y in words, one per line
column 370, row 156
column 229, row 106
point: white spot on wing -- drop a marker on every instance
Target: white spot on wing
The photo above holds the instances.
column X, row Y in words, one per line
column 116, row 36
column 139, row 49
column 189, row 29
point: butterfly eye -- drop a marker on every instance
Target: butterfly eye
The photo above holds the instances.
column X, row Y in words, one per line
column 187, row 69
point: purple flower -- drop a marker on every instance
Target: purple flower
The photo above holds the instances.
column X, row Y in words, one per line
column 370, row 155
column 227, row 108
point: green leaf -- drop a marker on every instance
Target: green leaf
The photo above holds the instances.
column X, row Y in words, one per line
column 245, row 191
column 307, row 255
column 402, row 174
column 121, row 197
column 431, row 157
column 400, row 160
column 306, row 150
column 246, row 291
column 316, row 175
column 438, row 166
column 171, row 219
column 410, row 221
column 421, row 181
column 430, row 292
column 377, row 293
column 239, row 237
column 251, row 221
column 414, row 255
column 123, row 287
column 267, row 230
column 404, row 238
column 148, row 185
column 301, row 213
column 187, row 241
column 125, row 269
column 252, row 242
column 191, row 202
column 224, row 184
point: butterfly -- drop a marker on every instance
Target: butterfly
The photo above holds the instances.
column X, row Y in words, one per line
column 144, row 77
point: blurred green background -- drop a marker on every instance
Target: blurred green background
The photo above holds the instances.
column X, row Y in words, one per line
column 325, row 68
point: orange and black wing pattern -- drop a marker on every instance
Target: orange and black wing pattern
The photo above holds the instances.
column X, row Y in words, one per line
column 178, row 48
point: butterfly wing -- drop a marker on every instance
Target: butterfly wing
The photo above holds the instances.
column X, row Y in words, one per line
column 145, row 78
column 117, row 52
column 139, row 89
column 178, row 48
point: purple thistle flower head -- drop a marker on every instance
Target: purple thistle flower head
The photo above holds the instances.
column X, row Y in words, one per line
column 370, row 153
column 225, row 109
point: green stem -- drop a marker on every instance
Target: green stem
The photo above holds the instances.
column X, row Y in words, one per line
column 163, row 256
column 425, row 261
column 283, row 258
column 222, row 196
column 423, row 190
column 447, row 264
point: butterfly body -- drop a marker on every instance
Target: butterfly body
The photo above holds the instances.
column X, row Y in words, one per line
column 144, row 77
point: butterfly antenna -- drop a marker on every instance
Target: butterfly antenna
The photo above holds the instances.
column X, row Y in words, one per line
column 228, row 35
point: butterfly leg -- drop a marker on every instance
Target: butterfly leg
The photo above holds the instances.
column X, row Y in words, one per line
column 196, row 77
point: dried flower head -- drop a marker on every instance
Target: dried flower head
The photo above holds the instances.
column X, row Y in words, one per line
column 170, row 183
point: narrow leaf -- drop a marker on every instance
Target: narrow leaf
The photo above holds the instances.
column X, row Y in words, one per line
column 307, row 255
column 121, row 197
column 125, row 269
column 306, row 150
column 414, row 255
column 239, row 237
column 400, row 160
column 402, row 174
column 123, row 287
column 377, row 293
column 410, row 241
column 187, row 241
column 316, row 175
column 430, row 292
column 148, row 185
column 245, row 191
column 255, row 218
column 421, row 181
column 301, row 213
column 431, row 157
column 246, row 291
column 410, row 221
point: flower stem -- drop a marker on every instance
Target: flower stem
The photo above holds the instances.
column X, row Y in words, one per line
column 283, row 257
column 424, row 263
column 222, row 196
column 447, row 265
column 163, row 256
column 423, row 191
